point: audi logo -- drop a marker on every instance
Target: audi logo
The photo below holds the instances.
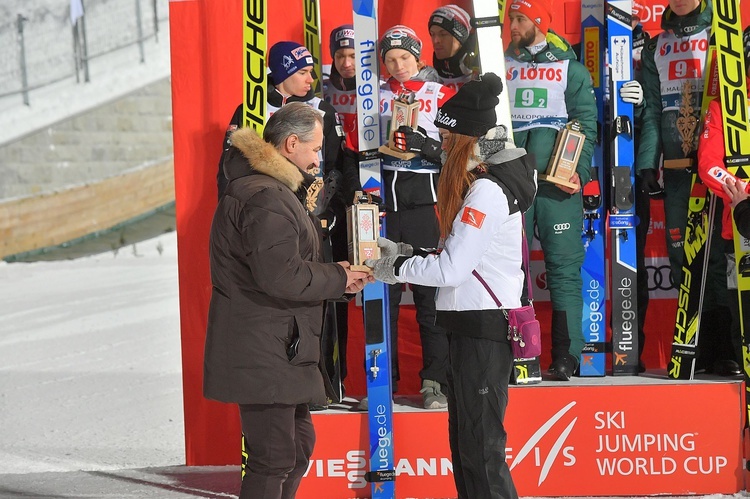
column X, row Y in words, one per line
column 660, row 277
column 561, row 227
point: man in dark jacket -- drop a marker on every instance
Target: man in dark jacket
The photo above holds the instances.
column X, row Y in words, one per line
column 269, row 289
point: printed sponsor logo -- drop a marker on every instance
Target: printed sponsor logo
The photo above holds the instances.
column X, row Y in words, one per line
column 444, row 119
column 344, row 33
column 535, row 73
column 254, row 36
column 473, row 217
column 300, row 52
column 558, row 228
column 532, row 450
column 733, row 94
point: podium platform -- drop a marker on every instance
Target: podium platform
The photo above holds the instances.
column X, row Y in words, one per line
column 611, row 436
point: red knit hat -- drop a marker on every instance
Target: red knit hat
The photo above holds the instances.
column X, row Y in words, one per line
column 539, row 11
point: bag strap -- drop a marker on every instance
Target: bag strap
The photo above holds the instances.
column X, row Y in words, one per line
column 525, row 269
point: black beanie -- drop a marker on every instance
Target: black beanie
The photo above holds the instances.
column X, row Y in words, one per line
column 472, row 110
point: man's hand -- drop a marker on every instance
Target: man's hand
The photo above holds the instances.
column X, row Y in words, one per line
column 632, row 92
column 575, row 179
column 355, row 280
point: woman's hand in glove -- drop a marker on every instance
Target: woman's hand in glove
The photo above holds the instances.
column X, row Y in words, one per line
column 385, row 269
column 389, row 248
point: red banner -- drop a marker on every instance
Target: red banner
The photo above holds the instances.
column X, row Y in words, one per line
column 562, row 441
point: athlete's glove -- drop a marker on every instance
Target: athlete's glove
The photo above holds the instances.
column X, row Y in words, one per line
column 632, row 92
column 389, row 248
column 649, row 183
column 386, row 269
column 416, row 140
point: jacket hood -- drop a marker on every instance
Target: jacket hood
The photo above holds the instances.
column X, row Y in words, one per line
column 516, row 173
column 689, row 24
column 557, row 49
column 258, row 156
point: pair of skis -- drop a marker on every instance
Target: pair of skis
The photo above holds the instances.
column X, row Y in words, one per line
column 613, row 153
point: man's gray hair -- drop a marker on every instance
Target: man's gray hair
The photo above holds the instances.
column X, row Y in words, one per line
column 295, row 118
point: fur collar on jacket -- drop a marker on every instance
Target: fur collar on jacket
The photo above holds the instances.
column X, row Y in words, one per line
column 263, row 158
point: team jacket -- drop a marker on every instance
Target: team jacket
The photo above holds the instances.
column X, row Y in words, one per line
column 546, row 91
column 672, row 71
column 411, row 183
column 486, row 237
column 332, row 132
column 711, row 167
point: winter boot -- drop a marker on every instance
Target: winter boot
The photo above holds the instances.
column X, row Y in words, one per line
column 432, row 396
column 563, row 367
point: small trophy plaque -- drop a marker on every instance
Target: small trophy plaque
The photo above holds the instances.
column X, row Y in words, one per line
column 562, row 164
column 363, row 229
column 405, row 113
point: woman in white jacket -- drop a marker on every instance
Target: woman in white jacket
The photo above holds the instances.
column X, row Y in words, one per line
column 485, row 185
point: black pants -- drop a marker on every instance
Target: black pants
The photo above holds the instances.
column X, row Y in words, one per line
column 280, row 440
column 418, row 227
column 477, row 393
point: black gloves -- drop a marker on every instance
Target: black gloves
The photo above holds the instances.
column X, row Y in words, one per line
column 650, row 184
column 408, row 139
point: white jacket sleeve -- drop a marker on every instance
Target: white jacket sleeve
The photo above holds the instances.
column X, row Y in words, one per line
column 484, row 210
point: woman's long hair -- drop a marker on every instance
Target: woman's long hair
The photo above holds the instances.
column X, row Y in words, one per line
column 454, row 179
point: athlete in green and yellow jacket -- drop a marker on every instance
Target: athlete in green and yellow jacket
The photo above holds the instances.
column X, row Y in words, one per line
column 548, row 88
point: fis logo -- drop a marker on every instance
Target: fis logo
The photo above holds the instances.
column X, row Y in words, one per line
column 534, row 451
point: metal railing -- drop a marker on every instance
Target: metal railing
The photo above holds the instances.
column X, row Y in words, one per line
column 36, row 51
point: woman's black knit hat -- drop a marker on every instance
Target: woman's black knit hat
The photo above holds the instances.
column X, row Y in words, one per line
column 472, row 110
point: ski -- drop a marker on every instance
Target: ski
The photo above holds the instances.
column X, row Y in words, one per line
column 593, row 271
column 254, row 90
column 697, row 243
column 381, row 472
column 311, row 36
column 622, row 202
column 487, row 22
column 727, row 30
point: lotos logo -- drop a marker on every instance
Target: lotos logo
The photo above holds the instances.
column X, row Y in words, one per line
column 511, row 74
column 665, row 49
column 539, row 73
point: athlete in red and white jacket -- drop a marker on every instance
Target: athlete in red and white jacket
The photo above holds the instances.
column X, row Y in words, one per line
column 711, row 167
